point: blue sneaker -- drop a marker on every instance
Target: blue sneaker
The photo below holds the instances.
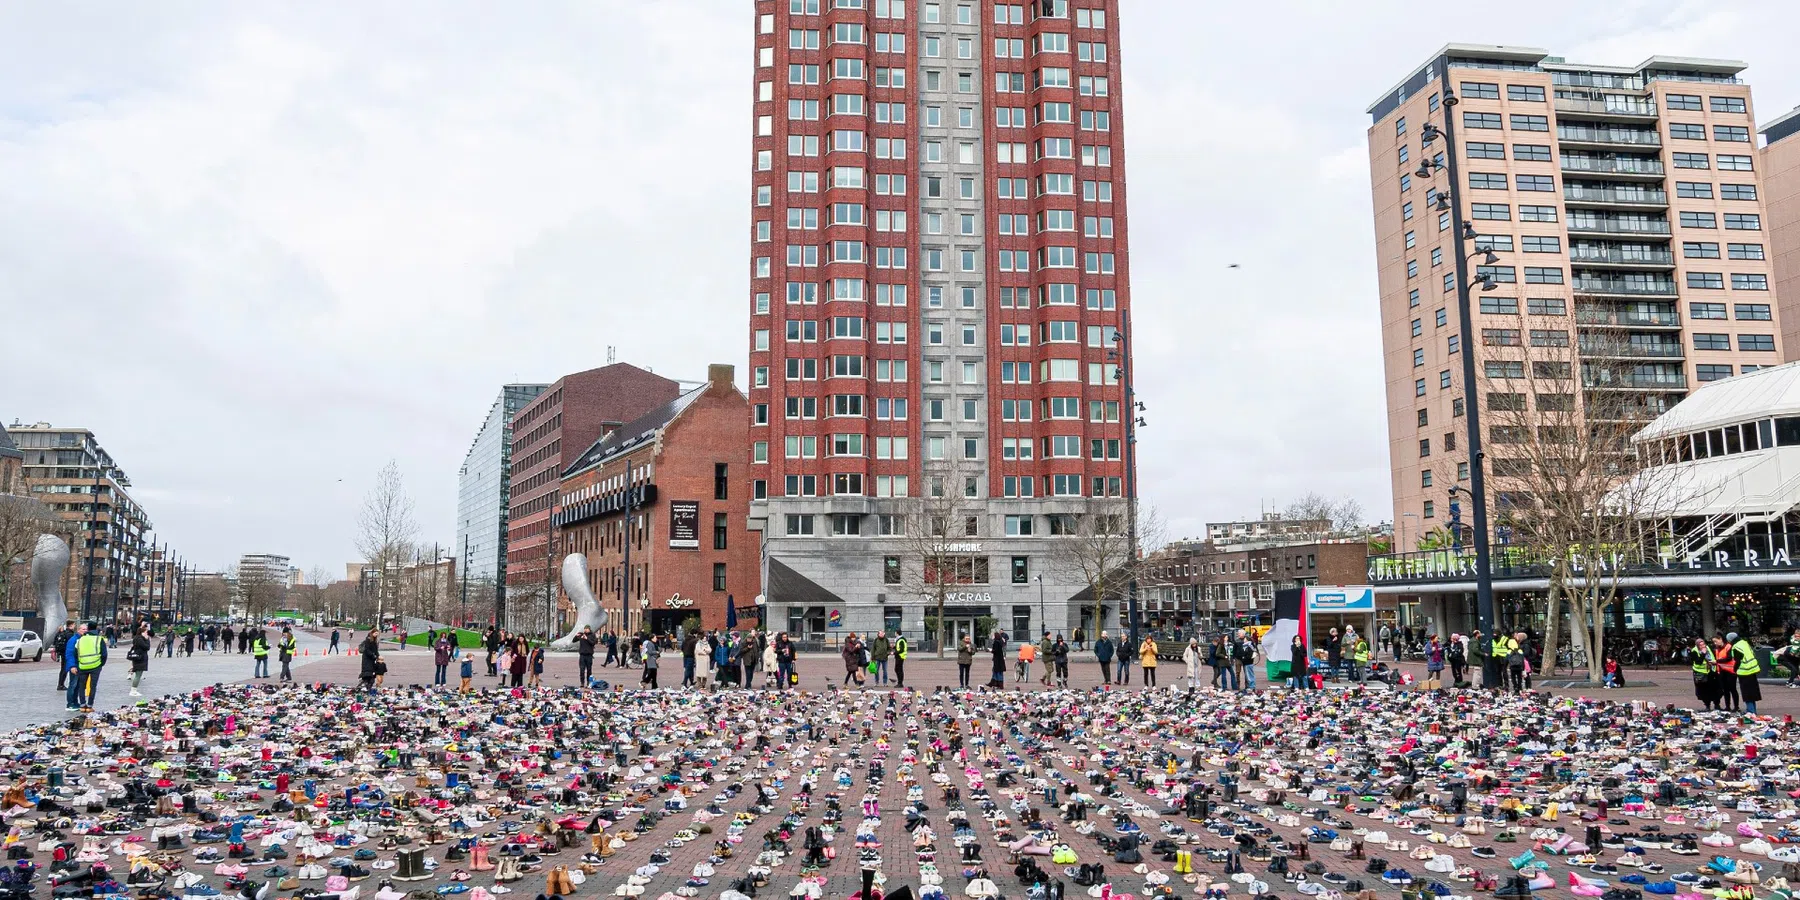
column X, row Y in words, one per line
column 1634, row 879
column 1663, row 887
column 201, row 891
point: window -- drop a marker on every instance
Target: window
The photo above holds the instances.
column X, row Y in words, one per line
column 1687, row 132
column 1481, row 120
column 1492, row 181
column 1705, row 341
column 1728, row 104
column 1430, row 510
column 1694, row 190
column 1757, row 342
column 1529, row 93
column 1479, row 150
column 1500, row 274
column 1498, row 337
column 1749, row 282
column 1706, row 280
column 1536, row 183
column 846, row 525
column 1743, row 222
column 1537, row 213
column 1549, row 338
column 1546, row 306
column 1529, row 123
column 1498, row 306
column 1539, row 244
column 1532, row 152
column 1018, row 526
column 1424, row 447
column 1419, row 387
column 1744, row 251
column 799, row 524
column 1753, row 312
column 1711, row 372
column 1699, row 250
column 1480, row 90
column 1734, row 163
column 1683, row 101
column 718, row 576
column 1691, row 161
column 1706, row 310
column 1737, row 192
column 1699, row 220
column 1736, row 134
column 1501, row 212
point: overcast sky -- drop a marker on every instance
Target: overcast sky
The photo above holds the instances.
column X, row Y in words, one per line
column 261, row 249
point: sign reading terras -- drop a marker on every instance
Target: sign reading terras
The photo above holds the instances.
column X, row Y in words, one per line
column 684, row 525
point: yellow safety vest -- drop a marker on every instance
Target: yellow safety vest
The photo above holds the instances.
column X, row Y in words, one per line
column 1504, row 647
column 900, row 648
column 1361, row 653
column 88, row 650
column 1748, row 664
column 259, row 648
column 1703, row 661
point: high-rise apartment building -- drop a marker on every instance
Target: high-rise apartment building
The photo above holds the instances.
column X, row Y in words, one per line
column 70, row 472
column 939, row 284
column 549, row 433
column 1781, row 183
column 483, row 491
column 1618, row 215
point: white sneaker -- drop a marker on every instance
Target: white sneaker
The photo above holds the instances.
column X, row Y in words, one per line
column 1756, row 846
column 135, row 693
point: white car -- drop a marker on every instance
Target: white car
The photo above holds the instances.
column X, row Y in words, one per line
column 18, row 645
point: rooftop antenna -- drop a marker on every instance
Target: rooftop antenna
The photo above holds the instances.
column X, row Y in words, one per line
column 612, row 354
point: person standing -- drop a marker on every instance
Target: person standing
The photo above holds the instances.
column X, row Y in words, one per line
column 965, row 657
column 537, row 666
column 1103, row 654
column 1027, row 653
column 1701, row 662
column 440, row 660
column 139, row 654
column 784, row 661
column 1059, row 659
column 585, row 642
column 1247, row 650
column 334, row 643
column 1334, row 652
column 1749, row 668
column 259, row 647
column 1298, row 658
column 900, row 649
column 226, row 636
column 852, row 657
column 1515, row 660
column 187, row 643
column 59, row 643
column 1434, row 665
column 1455, row 655
column 1359, row 658
column 1147, row 659
column 1791, row 653
column 519, row 661
column 771, row 659
column 285, row 650
column 87, row 655
column 1045, row 645
column 652, row 653
column 612, row 648
column 372, row 667
column 689, row 642
column 1122, row 658
column 1191, row 655
column 879, row 650
column 997, row 646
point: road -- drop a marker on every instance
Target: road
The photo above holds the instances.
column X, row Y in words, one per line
column 30, row 694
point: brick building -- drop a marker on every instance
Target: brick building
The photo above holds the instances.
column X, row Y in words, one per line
column 939, row 286
column 548, row 434
column 681, row 464
column 1236, row 582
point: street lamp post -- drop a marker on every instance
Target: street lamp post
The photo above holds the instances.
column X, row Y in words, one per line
column 462, row 614
column 1043, row 621
column 1122, row 361
column 1452, row 203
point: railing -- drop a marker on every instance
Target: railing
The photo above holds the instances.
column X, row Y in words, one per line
column 1628, row 350
column 1624, row 286
column 1625, row 166
column 1581, row 134
column 1611, row 106
column 1581, row 193
column 1615, row 255
column 1664, row 381
column 1590, row 315
column 1619, row 226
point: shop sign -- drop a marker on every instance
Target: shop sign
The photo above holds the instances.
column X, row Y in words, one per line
column 684, row 525
column 679, row 602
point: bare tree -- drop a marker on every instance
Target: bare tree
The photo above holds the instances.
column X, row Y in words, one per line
column 935, row 530
column 207, row 596
column 259, row 591
column 22, row 520
column 385, row 535
column 1095, row 547
column 1338, row 516
column 1564, row 480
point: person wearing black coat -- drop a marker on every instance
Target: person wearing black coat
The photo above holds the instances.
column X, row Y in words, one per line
column 139, row 656
column 998, row 646
column 372, row 666
column 1297, row 661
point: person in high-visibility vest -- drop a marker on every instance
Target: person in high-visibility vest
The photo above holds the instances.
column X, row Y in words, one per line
column 900, row 648
column 1749, row 668
column 286, row 648
column 1725, row 667
column 1359, row 656
column 259, row 647
column 1508, row 653
column 84, row 664
column 1706, row 683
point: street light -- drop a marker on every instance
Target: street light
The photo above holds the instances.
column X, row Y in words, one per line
column 1122, row 361
column 1043, row 622
column 1450, row 201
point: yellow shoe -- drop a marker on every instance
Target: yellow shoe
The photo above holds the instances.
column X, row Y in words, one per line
column 1550, row 813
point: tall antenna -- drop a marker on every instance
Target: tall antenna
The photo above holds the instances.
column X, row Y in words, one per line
column 612, row 354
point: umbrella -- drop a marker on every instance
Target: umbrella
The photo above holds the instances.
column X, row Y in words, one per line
column 730, row 613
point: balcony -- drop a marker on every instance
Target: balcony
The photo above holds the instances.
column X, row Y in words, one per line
column 1628, row 287
column 1631, row 350
column 1614, row 256
column 1651, row 381
column 1627, row 318
column 1624, row 109
column 1618, row 167
column 1608, row 225
column 1589, row 195
column 1581, row 135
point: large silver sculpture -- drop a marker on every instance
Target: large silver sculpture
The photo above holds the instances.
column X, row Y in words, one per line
column 48, row 563
column 588, row 613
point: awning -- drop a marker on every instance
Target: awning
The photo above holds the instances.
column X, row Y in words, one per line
column 1762, row 481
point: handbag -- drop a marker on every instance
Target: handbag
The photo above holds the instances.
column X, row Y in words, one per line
column 380, row 668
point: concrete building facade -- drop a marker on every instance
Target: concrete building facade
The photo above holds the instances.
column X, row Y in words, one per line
column 939, row 288
column 1618, row 215
column 1781, row 181
column 72, row 473
column 483, row 495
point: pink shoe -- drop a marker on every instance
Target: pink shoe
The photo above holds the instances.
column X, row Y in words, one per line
column 1744, row 830
column 336, row 883
column 1585, row 890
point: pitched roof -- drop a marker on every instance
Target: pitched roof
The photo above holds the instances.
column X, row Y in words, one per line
column 1761, row 394
column 7, row 447
column 635, row 433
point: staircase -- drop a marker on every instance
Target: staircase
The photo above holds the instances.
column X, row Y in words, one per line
column 1719, row 526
